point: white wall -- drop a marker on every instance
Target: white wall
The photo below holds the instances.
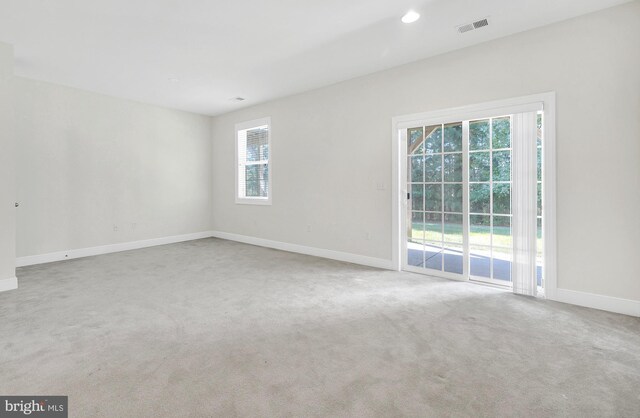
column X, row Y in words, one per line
column 333, row 145
column 88, row 163
column 7, row 169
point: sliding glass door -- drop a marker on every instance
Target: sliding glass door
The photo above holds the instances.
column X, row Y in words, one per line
column 459, row 215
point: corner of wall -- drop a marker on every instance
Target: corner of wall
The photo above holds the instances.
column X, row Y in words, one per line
column 211, row 172
column 8, row 175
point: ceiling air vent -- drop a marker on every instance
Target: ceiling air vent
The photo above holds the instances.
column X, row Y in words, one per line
column 473, row 25
column 480, row 23
column 465, row 28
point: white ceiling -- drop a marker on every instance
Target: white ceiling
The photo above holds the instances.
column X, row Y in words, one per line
column 258, row 49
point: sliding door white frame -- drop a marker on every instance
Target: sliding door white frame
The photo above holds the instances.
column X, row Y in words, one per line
column 479, row 111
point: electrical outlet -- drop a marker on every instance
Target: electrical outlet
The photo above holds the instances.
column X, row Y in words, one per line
column 308, row 228
column 115, row 228
column 367, row 236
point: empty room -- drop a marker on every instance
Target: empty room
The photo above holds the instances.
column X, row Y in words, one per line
column 408, row 208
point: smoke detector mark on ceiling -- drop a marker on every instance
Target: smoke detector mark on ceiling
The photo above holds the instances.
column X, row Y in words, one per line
column 238, row 99
column 467, row 27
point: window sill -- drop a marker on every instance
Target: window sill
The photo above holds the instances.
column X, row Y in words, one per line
column 250, row 201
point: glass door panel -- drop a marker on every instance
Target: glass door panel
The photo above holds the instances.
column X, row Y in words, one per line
column 490, row 238
column 434, row 168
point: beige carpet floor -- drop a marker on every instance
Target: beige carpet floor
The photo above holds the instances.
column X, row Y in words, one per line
column 217, row 328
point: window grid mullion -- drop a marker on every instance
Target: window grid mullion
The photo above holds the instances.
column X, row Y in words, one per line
column 442, row 197
column 491, row 196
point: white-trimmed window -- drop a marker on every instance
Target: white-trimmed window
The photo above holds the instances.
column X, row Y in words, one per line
column 253, row 152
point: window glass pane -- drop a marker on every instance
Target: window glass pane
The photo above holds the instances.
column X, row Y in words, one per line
column 452, row 255
column 257, row 144
column 539, row 199
column 539, row 120
column 480, row 261
column 252, row 152
column 433, row 197
column 539, row 272
column 417, row 197
column 414, row 141
column 479, row 198
column 479, row 134
column 502, row 231
column 453, row 167
column 252, row 181
column 433, row 168
column 415, row 254
column 502, row 166
column 502, row 198
column 453, row 137
column 540, row 252
column 251, row 172
column 479, row 166
column 416, row 234
column 416, row 169
column 502, row 264
column 256, row 180
column 502, row 132
column 539, row 237
column 433, row 227
column 433, row 142
column 264, row 180
column 539, row 163
column 452, row 228
column 479, row 230
column 433, row 255
column 453, row 198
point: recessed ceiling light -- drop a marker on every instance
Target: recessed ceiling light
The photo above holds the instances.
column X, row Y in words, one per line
column 410, row 17
column 173, row 80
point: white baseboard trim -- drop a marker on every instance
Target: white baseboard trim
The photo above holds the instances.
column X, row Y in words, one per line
column 589, row 300
column 8, row 284
column 301, row 249
column 134, row 245
column 605, row 303
column 106, row 249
